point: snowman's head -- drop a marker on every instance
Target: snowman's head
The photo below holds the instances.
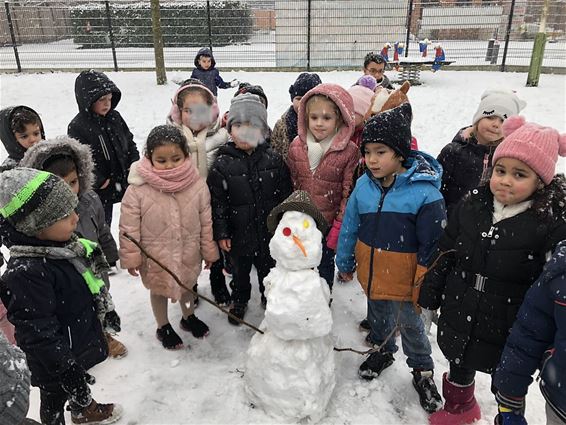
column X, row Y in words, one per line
column 297, row 242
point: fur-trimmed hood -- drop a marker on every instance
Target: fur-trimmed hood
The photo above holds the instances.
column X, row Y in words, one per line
column 40, row 153
column 345, row 103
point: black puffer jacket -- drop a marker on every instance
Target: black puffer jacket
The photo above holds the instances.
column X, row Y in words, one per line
column 464, row 161
column 110, row 139
column 15, row 150
column 480, row 287
column 244, row 189
column 53, row 311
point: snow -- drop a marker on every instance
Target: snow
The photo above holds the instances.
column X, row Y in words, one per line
column 203, row 384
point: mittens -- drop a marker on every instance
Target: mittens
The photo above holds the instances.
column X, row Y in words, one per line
column 74, row 383
column 511, row 410
column 510, row 418
column 234, row 83
column 332, row 237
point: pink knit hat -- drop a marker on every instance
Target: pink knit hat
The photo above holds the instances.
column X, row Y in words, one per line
column 362, row 98
column 533, row 144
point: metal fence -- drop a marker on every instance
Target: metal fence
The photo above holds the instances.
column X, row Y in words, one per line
column 283, row 34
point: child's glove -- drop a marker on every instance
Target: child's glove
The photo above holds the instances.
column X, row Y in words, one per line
column 234, row 83
column 511, row 410
column 112, row 322
column 74, row 383
column 332, row 237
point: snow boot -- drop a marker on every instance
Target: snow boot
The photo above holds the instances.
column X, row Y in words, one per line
column 460, row 406
column 375, row 364
column 222, row 296
column 116, row 349
column 195, row 326
column 169, row 338
column 430, row 399
column 364, row 326
column 97, row 414
column 238, row 310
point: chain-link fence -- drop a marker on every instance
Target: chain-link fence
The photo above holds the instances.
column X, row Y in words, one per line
column 302, row 34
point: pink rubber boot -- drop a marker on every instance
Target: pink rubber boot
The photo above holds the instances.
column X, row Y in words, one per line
column 460, row 406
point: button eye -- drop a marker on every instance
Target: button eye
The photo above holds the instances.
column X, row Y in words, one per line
column 306, row 224
column 286, row 231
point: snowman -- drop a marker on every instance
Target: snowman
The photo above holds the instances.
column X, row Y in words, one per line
column 290, row 367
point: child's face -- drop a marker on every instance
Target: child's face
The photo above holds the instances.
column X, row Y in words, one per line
column 322, row 118
column 246, row 136
column 296, row 101
column 72, row 180
column 376, row 70
column 60, row 231
column 513, row 181
column 195, row 113
column 380, row 159
column 30, row 136
column 205, row 62
column 489, row 130
column 167, row 157
column 102, row 105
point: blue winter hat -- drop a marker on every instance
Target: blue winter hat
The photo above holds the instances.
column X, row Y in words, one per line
column 303, row 84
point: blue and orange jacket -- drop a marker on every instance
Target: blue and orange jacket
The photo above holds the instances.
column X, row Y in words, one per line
column 391, row 235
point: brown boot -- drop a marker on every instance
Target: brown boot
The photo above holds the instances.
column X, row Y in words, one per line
column 94, row 413
column 116, row 349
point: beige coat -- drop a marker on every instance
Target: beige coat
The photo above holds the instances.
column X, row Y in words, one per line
column 175, row 228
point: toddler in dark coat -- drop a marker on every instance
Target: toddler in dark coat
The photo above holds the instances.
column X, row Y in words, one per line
column 54, row 293
column 101, row 127
column 493, row 249
column 207, row 73
column 72, row 161
column 247, row 180
column 537, row 341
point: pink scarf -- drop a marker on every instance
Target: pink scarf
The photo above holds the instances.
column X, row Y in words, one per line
column 169, row 181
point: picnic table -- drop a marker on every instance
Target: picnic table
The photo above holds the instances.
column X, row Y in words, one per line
column 410, row 68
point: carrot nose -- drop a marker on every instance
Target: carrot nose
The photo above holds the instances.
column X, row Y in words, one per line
column 300, row 245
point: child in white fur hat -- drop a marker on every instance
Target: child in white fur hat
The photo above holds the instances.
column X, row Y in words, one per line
column 466, row 160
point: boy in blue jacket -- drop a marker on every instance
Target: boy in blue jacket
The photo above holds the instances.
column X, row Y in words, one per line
column 392, row 223
column 207, row 73
column 54, row 293
column 537, row 341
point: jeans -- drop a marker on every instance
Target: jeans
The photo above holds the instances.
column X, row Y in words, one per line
column 241, row 269
column 383, row 315
column 326, row 267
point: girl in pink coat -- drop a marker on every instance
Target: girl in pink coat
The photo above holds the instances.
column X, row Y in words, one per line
column 167, row 208
column 322, row 159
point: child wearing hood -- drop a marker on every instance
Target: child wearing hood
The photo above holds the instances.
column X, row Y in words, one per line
column 20, row 129
column 195, row 112
column 491, row 252
column 322, row 159
column 285, row 129
column 72, row 161
column 206, row 72
column 392, row 223
column 101, row 127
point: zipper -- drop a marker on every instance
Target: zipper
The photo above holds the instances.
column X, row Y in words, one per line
column 104, row 147
column 94, row 224
column 372, row 251
column 484, row 177
column 70, row 337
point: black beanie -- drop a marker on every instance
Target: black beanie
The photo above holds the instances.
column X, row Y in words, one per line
column 303, row 84
column 392, row 128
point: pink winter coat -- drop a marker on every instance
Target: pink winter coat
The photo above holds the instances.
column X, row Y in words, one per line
column 174, row 227
column 330, row 183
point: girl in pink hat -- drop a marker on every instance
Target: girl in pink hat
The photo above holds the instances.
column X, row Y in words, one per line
column 495, row 245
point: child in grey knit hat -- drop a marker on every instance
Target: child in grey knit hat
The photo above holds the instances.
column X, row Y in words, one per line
column 56, row 313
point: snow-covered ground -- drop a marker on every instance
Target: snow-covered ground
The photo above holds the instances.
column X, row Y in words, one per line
column 203, row 384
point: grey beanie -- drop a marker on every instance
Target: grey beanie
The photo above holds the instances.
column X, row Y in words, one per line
column 32, row 200
column 14, row 384
column 500, row 103
column 248, row 108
